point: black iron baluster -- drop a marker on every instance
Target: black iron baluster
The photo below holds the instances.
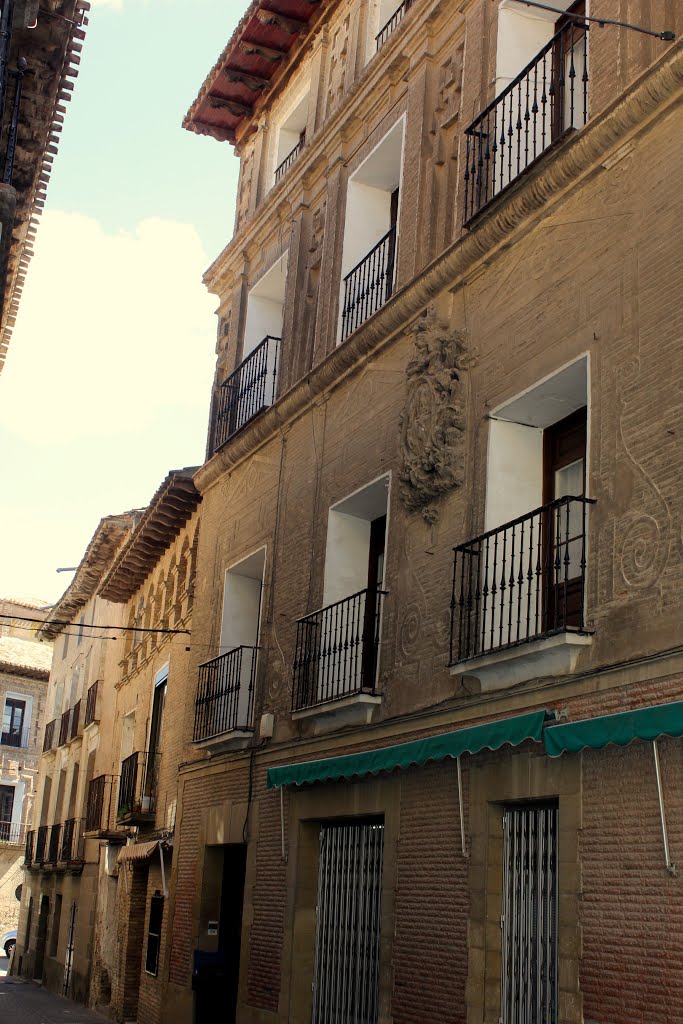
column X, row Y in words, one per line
column 529, row 578
column 544, row 102
column 519, row 127
column 511, row 591
column 502, row 146
column 494, row 590
column 527, row 117
column 520, row 578
column 503, row 587
column 485, row 595
column 582, row 594
column 567, row 505
column 534, row 111
column 584, row 76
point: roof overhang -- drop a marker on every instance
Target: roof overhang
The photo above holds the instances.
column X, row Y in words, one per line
column 51, row 50
column 262, row 47
column 160, row 524
column 101, row 550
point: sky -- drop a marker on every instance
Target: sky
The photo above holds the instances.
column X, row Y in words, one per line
column 107, row 381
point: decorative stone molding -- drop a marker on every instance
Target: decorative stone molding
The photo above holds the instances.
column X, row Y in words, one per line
column 516, row 212
column 433, row 422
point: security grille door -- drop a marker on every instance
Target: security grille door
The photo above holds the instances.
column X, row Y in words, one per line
column 69, row 957
column 529, row 921
column 345, row 985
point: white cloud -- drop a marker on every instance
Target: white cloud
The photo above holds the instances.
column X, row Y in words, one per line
column 111, row 329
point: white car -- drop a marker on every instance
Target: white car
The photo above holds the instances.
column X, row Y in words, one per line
column 8, row 941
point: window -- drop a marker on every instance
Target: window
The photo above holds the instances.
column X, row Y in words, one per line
column 6, row 810
column 290, row 134
column 13, row 718
column 346, row 973
column 225, row 695
column 156, row 913
column 371, row 232
column 337, row 650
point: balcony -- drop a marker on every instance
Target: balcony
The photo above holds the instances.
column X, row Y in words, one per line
column 41, row 844
column 393, row 22
column 247, row 391
column 28, row 851
column 54, row 844
column 64, row 724
column 518, row 598
column 49, row 737
column 75, row 730
column 12, row 833
column 225, row 695
column 291, row 157
column 337, row 653
column 98, row 807
column 18, row 738
column 71, row 851
column 547, row 99
column 138, row 788
column 371, row 282
column 91, row 705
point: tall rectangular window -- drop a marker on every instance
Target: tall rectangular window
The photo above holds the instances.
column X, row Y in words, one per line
column 529, row 920
column 13, row 721
column 346, row 972
column 156, row 914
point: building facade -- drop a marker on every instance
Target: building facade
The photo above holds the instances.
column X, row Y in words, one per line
column 439, row 572
column 55, row 937
column 24, row 671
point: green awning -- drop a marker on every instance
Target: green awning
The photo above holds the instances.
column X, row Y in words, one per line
column 489, row 736
column 621, row 729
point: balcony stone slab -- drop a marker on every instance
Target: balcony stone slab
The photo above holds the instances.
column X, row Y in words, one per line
column 236, row 739
column 356, row 709
column 548, row 656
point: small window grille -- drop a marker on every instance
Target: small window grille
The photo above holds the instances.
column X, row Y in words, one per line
column 156, row 913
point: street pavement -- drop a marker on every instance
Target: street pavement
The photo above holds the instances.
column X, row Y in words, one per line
column 22, row 1002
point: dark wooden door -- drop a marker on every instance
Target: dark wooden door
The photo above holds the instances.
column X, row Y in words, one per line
column 564, row 475
column 6, row 808
column 569, row 65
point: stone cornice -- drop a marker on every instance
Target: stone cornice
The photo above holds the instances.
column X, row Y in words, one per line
column 515, row 213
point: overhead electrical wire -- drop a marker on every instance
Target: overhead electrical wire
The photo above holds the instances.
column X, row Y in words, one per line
column 92, row 625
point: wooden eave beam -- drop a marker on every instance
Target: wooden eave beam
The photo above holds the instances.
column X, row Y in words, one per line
column 292, row 26
column 232, row 106
column 258, row 50
column 252, row 82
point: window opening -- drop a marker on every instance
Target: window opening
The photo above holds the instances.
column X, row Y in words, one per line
column 13, row 721
column 156, row 913
column 6, row 811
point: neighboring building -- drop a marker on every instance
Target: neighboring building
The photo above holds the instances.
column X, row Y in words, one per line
column 98, row 859
column 449, row 318
column 21, row 617
column 152, row 580
column 39, row 58
column 24, row 671
column 55, row 937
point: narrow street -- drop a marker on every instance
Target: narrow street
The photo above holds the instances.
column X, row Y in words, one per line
column 24, row 1003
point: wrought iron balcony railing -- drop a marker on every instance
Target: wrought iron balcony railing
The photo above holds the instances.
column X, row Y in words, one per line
column 522, row 581
column 28, row 851
column 547, row 98
column 98, row 805
column 20, row 738
column 337, row 650
column 371, row 282
column 41, row 843
column 282, row 168
column 71, row 848
column 138, row 786
column 249, row 389
column 75, row 720
column 64, row 723
column 393, row 22
column 49, row 737
column 225, row 695
column 91, row 705
column 54, row 845
column 12, row 832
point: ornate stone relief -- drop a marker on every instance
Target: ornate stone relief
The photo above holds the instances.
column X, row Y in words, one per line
column 433, row 422
column 245, row 184
column 337, row 69
column 313, row 261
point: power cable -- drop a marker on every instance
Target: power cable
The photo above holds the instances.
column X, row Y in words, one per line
column 91, row 625
column 667, row 36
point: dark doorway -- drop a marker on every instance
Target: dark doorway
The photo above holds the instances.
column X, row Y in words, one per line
column 41, row 938
column 564, row 476
column 373, row 604
column 230, row 923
